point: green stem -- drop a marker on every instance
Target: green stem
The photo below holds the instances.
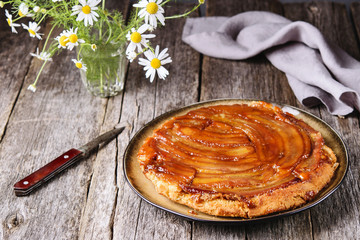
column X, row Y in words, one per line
column 38, row 75
column 163, row 3
column 129, row 28
column 48, row 37
column 100, row 28
column 101, row 81
column 78, row 56
column 43, row 17
column 16, row 19
column 136, row 14
column 184, row 14
column 110, row 31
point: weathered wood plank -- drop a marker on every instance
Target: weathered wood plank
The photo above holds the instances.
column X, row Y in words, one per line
column 14, row 63
column 137, row 109
column 60, row 115
column 355, row 10
column 203, row 231
column 98, row 216
column 142, row 102
column 179, row 89
column 338, row 216
column 255, row 78
column 243, row 79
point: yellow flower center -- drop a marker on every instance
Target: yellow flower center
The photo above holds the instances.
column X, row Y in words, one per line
column 63, row 40
column 9, row 21
column 32, row 32
column 152, row 8
column 86, row 9
column 135, row 37
column 155, row 63
column 73, row 38
column 21, row 14
column 78, row 65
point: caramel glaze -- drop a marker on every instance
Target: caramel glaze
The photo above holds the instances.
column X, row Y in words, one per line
column 233, row 151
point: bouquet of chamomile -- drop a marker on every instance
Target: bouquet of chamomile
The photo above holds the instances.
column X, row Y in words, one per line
column 89, row 27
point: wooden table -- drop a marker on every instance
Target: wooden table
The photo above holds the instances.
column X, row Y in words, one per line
column 92, row 199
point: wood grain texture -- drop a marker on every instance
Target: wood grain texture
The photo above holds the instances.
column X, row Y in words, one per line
column 244, row 79
column 92, row 200
column 254, row 78
column 61, row 115
column 14, row 63
column 97, row 219
column 338, row 216
column 142, row 102
column 354, row 11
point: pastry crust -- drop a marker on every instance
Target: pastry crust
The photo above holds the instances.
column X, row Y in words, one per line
column 239, row 177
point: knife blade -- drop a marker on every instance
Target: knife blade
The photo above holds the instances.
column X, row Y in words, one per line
column 65, row 160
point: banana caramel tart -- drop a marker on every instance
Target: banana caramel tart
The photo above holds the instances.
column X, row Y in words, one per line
column 241, row 160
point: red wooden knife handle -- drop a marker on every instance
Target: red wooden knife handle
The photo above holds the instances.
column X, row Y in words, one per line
column 34, row 180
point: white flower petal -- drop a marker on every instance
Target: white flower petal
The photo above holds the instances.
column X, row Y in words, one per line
column 143, row 28
column 162, row 53
column 149, row 55
column 147, row 19
column 152, row 75
column 166, row 61
column 148, row 73
column 157, row 48
column 142, row 12
column 161, row 18
column 131, row 47
column 148, row 35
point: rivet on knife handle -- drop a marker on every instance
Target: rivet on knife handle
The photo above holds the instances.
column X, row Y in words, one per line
column 34, row 180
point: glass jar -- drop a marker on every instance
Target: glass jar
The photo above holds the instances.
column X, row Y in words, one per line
column 106, row 67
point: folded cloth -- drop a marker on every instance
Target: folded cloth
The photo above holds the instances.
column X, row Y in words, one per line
column 317, row 70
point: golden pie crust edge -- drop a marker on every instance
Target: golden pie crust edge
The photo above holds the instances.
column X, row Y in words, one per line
column 278, row 200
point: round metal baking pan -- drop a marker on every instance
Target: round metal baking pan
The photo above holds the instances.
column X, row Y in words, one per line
column 145, row 189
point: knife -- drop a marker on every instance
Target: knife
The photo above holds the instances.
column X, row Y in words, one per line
column 37, row 178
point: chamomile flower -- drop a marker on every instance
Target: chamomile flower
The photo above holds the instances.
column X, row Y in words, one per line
column 93, row 47
column 44, row 56
column 24, row 10
column 151, row 11
column 73, row 39
column 10, row 22
column 154, row 63
column 79, row 64
column 56, row 0
column 32, row 87
column 62, row 39
column 36, row 9
column 33, row 29
column 131, row 56
column 151, row 28
column 86, row 11
column 137, row 38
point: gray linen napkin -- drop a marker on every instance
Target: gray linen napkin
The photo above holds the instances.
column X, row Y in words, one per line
column 317, row 71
